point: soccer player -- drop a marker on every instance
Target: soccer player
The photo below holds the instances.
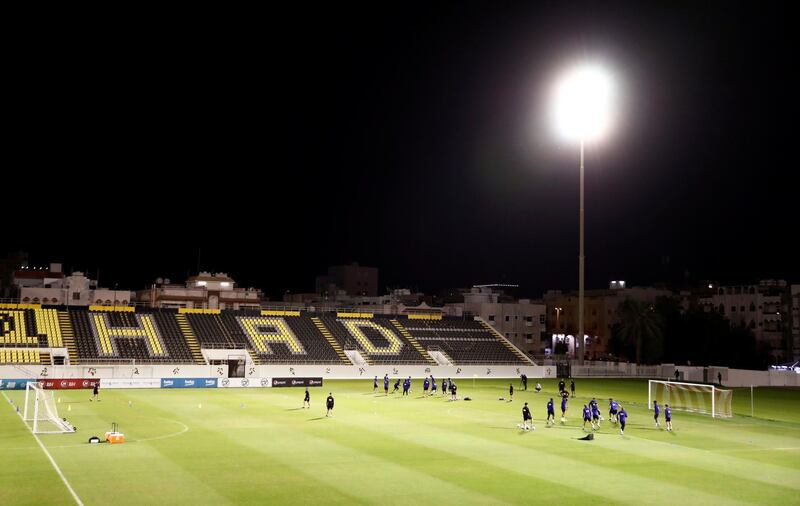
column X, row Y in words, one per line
column 444, row 386
column 329, row 404
column 433, row 385
column 510, row 392
column 551, row 414
column 95, row 396
column 560, row 386
column 425, row 385
column 396, row 385
column 526, row 417
column 668, row 417
column 453, row 390
column 612, row 410
column 386, row 384
column 524, row 381
column 375, row 385
column 307, row 399
column 564, row 407
column 656, row 412
column 587, row 417
column 538, row 387
column 595, row 416
column 623, row 417
column 572, row 387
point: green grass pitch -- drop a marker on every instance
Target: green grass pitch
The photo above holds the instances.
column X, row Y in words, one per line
column 258, row 446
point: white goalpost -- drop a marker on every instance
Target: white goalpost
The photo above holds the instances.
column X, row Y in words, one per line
column 41, row 412
column 695, row 397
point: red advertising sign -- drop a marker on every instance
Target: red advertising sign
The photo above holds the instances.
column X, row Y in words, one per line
column 68, row 383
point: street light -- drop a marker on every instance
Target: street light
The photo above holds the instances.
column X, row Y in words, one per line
column 582, row 105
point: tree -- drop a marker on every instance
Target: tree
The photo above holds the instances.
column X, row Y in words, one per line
column 640, row 327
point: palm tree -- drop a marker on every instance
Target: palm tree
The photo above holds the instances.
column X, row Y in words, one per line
column 639, row 322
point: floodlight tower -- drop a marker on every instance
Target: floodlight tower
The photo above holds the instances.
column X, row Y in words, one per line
column 582, row 106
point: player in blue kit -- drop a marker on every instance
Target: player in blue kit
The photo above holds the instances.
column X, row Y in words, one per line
column 587, row 417
column 444, row 386
column 510, row 392
column 668, row 417
column 564, row 407
column 433, row 385
column 386, row 384
column 551, row 413
column 656, row 412
column 613, row 407
column 375, row 385
column 623, row 417
column 595, row 416
column 425, row 385
column 406, row 385
column 396, row 385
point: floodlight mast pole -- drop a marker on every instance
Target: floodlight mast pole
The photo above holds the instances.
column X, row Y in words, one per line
column 580, row 342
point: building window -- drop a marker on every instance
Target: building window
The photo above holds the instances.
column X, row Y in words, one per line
column 752, row 324
column 594, row 312
column 722, row 308
column 733, row 309
column 491, row 317
column 541, row 319
column 506, row 335
column 741, row 309
column 76, row 296
column 508, row 318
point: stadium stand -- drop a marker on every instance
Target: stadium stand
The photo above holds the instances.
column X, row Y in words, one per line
column 147, row 336
column 463, row 341
column 375, row 338
column 100, row 334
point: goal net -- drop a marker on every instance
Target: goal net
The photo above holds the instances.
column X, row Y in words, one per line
column 695, row 397
column 41, row 411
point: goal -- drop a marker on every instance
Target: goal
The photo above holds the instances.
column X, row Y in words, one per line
column 695, row 397
column 41, row 412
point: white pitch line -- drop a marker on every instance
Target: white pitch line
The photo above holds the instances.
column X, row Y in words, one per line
column 50, row 457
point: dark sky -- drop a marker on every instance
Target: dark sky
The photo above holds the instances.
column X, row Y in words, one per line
column 412, row 138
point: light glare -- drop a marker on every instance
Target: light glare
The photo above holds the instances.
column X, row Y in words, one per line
column 582, row 103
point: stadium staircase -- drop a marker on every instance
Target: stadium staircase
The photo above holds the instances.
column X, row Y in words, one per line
column 68, row 336
column 413, row 342
column 331, row 340
column 500, row 337
column 191, row 339
column 44, row 358
column 257, row 360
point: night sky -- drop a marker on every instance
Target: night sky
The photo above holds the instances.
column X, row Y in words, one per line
column 414, row 139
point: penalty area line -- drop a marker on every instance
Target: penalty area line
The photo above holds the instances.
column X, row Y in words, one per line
column 50, row 457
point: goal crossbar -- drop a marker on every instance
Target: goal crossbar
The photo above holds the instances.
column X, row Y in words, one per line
column 698, row 397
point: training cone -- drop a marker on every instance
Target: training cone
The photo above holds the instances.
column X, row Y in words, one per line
column 69, row 407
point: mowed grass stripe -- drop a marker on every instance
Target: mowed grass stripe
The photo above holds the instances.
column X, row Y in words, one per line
column 326, row 459
column 134, row 473
column 231, row 469
column 477, row 475
column 596, row 479
column 26, row 475
column 692, row 468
